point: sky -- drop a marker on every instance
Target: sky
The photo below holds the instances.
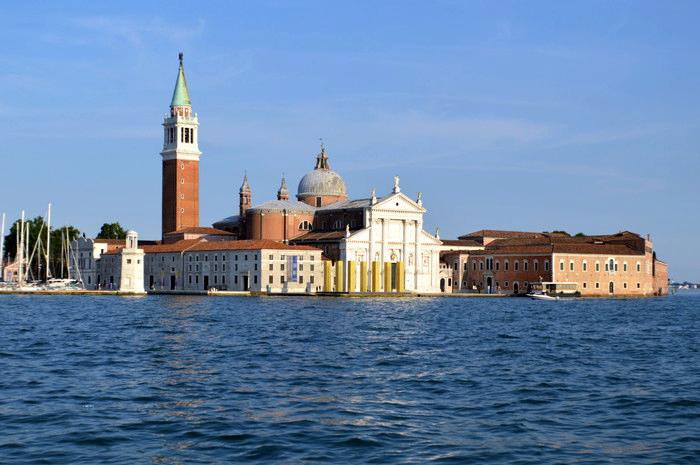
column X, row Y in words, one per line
column 581, row 116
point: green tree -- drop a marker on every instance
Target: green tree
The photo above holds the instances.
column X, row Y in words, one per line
column 580, row 235
column 37, row 233
column 112, row 231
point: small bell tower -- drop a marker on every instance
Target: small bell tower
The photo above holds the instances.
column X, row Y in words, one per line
column 180, row 207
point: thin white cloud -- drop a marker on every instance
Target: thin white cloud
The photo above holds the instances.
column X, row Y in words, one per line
column 137, row 32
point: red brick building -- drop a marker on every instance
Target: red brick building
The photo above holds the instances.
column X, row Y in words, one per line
column 622, row 264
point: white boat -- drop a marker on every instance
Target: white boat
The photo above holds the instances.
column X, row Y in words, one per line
column 542, row 296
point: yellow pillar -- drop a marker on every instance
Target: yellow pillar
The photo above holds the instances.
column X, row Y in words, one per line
column 401, row 278
column 339, row 276
column 327, row 276
column 387, row 277
column 375, row 276
column 351, row 276
column 363, row 276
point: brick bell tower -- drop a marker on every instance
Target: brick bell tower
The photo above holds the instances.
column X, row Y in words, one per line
column 180, row 160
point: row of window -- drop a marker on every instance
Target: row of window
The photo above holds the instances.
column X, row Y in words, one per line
column 283, row 279
column 610, row 266
column 491, row 265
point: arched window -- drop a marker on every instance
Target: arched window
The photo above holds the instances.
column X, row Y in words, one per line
column 525, row 265
column 585, row 265
column 639, row 267
column 546, row 265
column 505, row 265
column 516, row 265
column 536, row 264
column 498, row 265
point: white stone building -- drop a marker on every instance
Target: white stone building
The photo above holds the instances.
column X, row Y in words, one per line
column 121, row 268
column 248, row 265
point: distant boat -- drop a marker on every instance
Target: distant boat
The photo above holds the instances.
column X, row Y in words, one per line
column 542, row 296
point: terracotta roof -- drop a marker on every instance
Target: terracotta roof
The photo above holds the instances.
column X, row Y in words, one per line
column 201, row 230
column 623, row 243
column 200, row 245
column 321, row 236
column 110, row 241
column 462, row 242
column 496, row 233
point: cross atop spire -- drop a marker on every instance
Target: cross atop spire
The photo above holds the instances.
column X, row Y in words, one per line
column 322, row 159
column 181, row 94
column 283, row 192
column 245, row 187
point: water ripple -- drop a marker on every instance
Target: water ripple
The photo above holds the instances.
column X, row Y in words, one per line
column 166, row 380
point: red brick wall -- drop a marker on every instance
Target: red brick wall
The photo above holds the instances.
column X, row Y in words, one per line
column 180, row 207
column 325, row 200
column 503, row 279
column 272, row 225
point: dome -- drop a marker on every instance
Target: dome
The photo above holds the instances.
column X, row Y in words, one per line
column 322, row 181
column 319, row 183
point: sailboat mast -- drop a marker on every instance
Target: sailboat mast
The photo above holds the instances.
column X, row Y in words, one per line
column 2, row 250
column 27, row 256
column 20, row 252
column 48, row 243
column 67, row 252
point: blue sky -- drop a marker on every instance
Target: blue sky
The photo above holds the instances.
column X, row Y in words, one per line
column 582, row 116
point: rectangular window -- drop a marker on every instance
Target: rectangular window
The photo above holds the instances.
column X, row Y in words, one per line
column 282, row 279
column 282, row 266
column 537, row 266
column 546, row 266
column 571, row 266
column 585, row 266
column 271, row 257
column 255, row 279
column 301, row 279
column 597, row 285
column 624, row 285
column 638, row 285
column 271, row 266
column 235, row 279
column 128, row 261
column 311, row 279
column 584, row 285
column 624, row 267
column 639, row 267
column 270, row 279
column 597, row 266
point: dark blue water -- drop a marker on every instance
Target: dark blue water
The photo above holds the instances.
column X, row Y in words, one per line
column 166, row 380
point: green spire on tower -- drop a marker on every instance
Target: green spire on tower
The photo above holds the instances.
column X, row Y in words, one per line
column 181, row 96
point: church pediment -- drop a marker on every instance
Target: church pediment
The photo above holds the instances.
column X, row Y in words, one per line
column 398, row 202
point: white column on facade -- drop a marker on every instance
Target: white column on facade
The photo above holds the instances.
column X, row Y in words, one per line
column 370, row 259
column 404, row 252
column 385, row 232
column 416, row 257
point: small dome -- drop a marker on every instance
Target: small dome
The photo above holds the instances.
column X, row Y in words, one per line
column 322, row 182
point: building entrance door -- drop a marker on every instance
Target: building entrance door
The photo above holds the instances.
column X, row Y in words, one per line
column 442, row 285
column 246, row 285
column 206, row 283
column 172, row 283
column 611, row 287
column 489, row 284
